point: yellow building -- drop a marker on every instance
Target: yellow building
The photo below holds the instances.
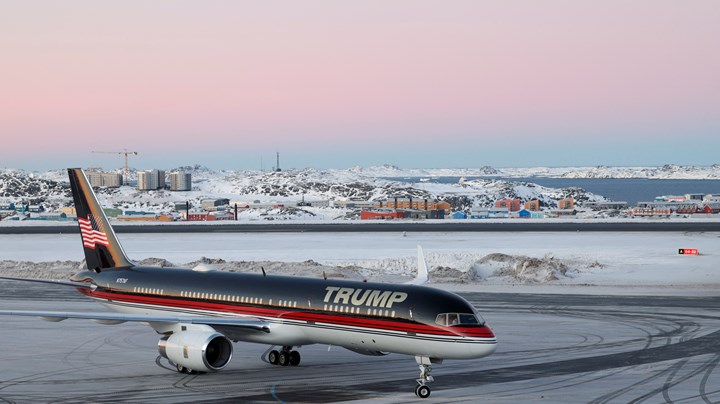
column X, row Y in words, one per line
column 533, row 205
column 567, row 203
column 68, row 211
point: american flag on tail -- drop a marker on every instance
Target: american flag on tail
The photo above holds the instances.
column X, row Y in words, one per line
column 92, row 234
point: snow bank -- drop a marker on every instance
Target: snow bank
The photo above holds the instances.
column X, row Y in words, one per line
column 467, row 269
column 533, row 262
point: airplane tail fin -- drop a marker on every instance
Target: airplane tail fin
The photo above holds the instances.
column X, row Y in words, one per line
column 101, row 246
column 422, row 276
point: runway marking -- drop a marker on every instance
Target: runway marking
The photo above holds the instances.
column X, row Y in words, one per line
column 274, row 395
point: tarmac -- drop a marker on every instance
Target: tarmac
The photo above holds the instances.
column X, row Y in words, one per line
column 508, row 225
column 552, row 348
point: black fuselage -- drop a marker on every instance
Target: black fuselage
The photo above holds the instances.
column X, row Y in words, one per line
column 286, row 294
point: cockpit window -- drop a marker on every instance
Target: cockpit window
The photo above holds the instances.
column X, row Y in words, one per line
column 468, row 319
column 450, row 319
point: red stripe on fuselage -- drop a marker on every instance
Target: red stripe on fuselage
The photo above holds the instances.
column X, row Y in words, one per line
column 317, row 316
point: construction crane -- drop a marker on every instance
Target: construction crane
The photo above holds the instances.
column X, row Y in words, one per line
column 126, row 153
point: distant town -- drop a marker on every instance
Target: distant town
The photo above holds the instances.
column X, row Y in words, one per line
column 388, row 208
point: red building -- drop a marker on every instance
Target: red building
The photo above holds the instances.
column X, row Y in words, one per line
column 209, row 217
column 381, row 214
column 513, row 205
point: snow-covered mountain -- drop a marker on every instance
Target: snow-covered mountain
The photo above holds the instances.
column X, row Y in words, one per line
column 668, row 171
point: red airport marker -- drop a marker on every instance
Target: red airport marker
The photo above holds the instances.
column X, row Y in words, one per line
column 688, row 251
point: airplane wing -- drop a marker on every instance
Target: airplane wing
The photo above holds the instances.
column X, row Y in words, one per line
column 230, row 326
column 246, row 324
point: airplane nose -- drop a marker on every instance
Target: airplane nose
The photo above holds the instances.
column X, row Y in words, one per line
column 485, row 341
column 481, row 350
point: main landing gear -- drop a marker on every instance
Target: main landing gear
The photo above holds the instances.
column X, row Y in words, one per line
column 422, row 390
column 284, row 357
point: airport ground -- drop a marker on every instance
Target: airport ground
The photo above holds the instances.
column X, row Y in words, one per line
column 641, row 345
column 553, row 348
column 508, row 225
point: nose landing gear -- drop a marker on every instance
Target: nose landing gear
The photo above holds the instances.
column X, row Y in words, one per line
column 422, row 390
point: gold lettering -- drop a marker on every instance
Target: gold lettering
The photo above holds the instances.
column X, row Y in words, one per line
column 356, row 299
column 344, row 295
column 396, row 297
column 330, row 290
column 377, row 298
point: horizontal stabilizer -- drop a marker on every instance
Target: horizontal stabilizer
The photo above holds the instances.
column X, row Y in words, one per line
column 53, row 282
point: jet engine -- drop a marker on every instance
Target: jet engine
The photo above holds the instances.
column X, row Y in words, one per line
column 201, row 351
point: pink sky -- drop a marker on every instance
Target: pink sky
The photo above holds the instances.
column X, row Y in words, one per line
column 366, row 82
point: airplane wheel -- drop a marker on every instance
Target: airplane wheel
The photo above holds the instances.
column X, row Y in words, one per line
column 273, row 357
column 422, row 391
column 294, row 358
column 283, row 359
column 181, row 369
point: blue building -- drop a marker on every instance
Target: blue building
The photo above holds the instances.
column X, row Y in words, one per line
column 459, row 215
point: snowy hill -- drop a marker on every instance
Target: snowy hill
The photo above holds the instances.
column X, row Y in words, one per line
column 484, row 186
column 290, row 187
column 668, row 171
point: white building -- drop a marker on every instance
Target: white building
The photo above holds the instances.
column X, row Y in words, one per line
column 150, row 180
column 180, row 181
column 98, row 179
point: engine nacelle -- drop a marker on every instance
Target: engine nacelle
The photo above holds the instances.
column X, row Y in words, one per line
column 202, row 351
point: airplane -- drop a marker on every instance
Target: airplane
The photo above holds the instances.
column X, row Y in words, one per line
column 200, row 312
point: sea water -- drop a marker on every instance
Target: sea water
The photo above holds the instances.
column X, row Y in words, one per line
column 630, row 190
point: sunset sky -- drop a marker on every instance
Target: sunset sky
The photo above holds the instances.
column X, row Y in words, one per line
column 413, row 83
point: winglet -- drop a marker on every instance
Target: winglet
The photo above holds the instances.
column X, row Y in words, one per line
column 101, row 246
column 422, row 276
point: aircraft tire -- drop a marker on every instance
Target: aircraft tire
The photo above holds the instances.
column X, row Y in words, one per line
column 422, row 391
column 294, row 358
column 283, row 359
column 181, row 369
column 273, row 357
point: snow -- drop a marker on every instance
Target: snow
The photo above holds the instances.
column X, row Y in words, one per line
column 668, row 171
column 535, row 262
column 287, row 188
column 357, row 183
